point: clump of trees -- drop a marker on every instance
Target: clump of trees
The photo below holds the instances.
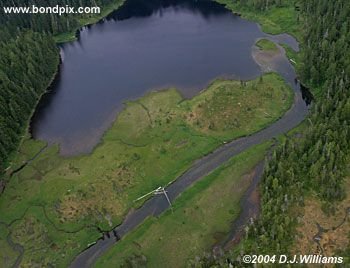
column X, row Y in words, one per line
column 261, row 5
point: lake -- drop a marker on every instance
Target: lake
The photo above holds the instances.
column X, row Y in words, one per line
column 144, row 46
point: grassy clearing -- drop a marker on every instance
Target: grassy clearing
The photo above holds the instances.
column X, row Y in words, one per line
column 274, row 21
column 202, row 216
column 153, row 140
column 266, row 45
column 71, row 36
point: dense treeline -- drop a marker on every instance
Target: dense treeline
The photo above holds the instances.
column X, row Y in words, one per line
column 261, row 5
column 316, row 160
column 28, row 61
column 326, row 65
column 48, row 23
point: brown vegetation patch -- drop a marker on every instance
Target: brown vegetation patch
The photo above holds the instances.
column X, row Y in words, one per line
column 101, row 200
column 220, row 111
column 336, row 234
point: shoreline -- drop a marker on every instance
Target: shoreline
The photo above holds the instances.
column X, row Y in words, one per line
column 73, row 35
column 26, row 129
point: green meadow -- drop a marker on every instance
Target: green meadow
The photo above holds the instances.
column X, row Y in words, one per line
column 202, row 216
column 55, row 205
column 266, row 45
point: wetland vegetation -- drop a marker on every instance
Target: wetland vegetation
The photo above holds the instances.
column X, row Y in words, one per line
column 66, row 201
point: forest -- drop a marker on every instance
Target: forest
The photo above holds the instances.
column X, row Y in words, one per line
column 28, row 61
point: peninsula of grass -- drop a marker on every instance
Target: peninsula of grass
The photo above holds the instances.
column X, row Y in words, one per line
column 266, row 45
column 202, row 216
column 63, row 202
column 294, row 57
column 275, row 20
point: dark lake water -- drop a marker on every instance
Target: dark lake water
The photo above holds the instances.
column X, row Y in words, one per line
column 145, row 45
